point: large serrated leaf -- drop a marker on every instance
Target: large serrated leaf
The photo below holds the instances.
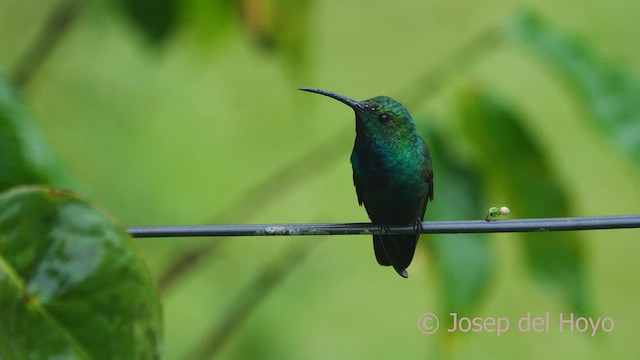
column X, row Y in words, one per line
column 73, row 284
column 609, row 91
column 510, row 157
column 24, row 156
column 463, row 261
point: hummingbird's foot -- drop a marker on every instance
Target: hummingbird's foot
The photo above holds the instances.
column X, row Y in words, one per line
column 417, row 226
column 384, row 228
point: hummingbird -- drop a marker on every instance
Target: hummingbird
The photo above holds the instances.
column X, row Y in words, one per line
column 392, row 173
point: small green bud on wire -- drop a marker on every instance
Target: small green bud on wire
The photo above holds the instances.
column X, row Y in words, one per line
column 495, row 212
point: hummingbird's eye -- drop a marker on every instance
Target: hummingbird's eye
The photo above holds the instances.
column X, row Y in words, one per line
column 383, row 118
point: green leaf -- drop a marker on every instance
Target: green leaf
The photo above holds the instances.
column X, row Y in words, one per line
column 284, row 30
column 511, row 160
column 610, row 92
column 156, row 19
column 463, row 262
column 24, row 156
column 73, row 284
column 278, row 27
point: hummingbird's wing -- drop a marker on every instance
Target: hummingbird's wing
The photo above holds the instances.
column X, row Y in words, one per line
column 356, row 165
column 428, row 176
column 358, row 191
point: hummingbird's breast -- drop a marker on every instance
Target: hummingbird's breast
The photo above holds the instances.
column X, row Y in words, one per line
column 390, row 182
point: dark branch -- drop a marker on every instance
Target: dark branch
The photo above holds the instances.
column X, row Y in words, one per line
column 53, row 31
column 428, row 227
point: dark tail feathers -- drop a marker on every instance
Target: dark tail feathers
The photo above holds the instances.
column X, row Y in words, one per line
column 395, row 250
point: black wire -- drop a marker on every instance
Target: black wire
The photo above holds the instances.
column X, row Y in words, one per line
column 428, row 227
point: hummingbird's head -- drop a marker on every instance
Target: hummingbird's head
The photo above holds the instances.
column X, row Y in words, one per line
column 379, row 118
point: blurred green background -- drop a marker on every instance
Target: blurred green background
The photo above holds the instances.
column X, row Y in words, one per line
column 186, row 112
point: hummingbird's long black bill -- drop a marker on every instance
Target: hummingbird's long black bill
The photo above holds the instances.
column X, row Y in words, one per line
column 343, row 99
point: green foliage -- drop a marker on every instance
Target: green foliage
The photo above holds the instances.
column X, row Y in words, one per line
column 609, row 91
column 278, row 26
column 24, row 156
column 72, row 283
column 210, row 19
column 511, row 160
column 156, row 19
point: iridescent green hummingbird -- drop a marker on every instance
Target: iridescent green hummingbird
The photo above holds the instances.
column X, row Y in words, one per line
column 392, row 173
